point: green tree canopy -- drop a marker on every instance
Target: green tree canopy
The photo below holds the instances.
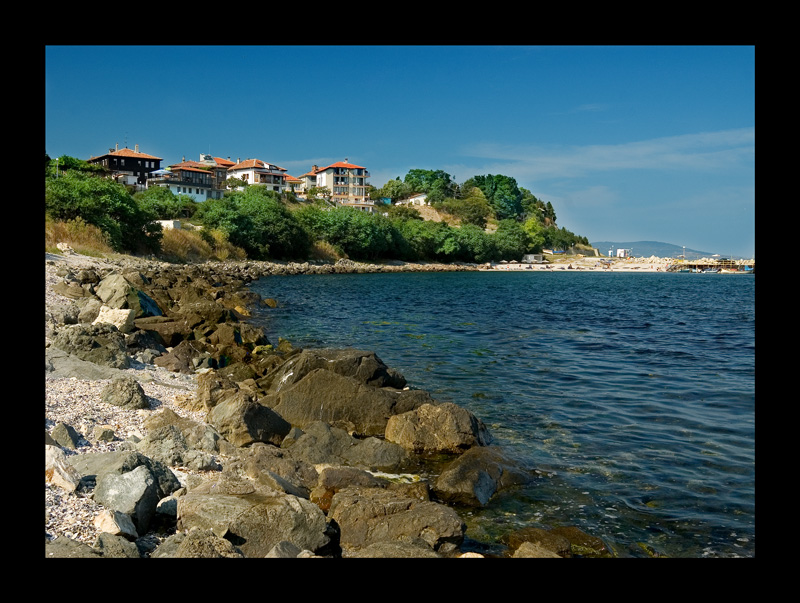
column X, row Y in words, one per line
column 437, row 184
column 472, row 209
column 501, row 192
column 166, row 204
column 73, row 194
column 256, row 220
column 358, row 234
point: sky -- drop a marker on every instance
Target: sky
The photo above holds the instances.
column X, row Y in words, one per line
column 628, row 143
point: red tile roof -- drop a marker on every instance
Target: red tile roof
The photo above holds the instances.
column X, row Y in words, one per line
column 340, row 164
column 128, row 153
column 253, row 164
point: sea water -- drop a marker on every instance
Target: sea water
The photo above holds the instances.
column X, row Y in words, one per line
column 633, row 395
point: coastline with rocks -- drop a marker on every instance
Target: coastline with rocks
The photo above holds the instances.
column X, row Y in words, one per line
column 174, row 428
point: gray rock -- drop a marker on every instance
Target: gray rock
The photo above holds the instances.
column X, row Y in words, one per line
column 101, row 343
column 253, row 520
column 66, row 436
column 93, row 467
column 60, row 364
column 135, row 493
column 324, row 444
column 58, row 471
column 395, row 550
column 365, row 367
column 243, row 421
column 126, row 392
column 323, row 395
column 115, row 546
column 436, row 428
column 477, row 475
column 197, row 544
column 67, row 548
column 284, row 550
column 367, row 516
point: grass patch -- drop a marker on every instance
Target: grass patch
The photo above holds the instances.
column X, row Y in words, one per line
column 84, row 238
column 181, row 245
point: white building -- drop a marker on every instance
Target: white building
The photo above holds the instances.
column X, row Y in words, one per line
column 347, row 183
column 255, row 171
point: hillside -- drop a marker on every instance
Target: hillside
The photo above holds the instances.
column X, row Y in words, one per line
column 649, row 248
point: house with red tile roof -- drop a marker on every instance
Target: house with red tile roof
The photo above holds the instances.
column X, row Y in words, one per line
column 129, row 167
column 200, row 180
column 256, row 171
column 347, row 183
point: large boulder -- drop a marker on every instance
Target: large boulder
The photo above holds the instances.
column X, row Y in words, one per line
column 252, row 517
column 58, row 471
column 368, row 516
column 197, row 543
column 365, row 367
column 94, row 467
column 60, row 364
column 431, row 428
column 187, row 357
column 102, row 344
column 477, row 475
column 345, row 402
column 324, row 444
column 275, row 468
column 125, row 392
column 135, row 493
column 120, row 318
column 243, row 421
column 168, row 445
column 116, row 292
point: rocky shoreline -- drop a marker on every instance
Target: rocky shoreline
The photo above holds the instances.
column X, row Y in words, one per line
column 174, row 428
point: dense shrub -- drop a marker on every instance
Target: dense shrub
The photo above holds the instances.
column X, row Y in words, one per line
column 103, row 203
column 256, row 220
column 357, row 234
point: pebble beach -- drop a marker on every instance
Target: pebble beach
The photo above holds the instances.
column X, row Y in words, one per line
column 77, row 402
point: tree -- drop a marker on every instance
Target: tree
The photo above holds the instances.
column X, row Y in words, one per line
column 395, row 189
column 437, row 184
column 256, row 220
column 511, row 240
column 165, row 204
column 473, row 209
column 534, row 228
column 358, row 234
column 501, row 192
column 106, row 204
column 403, row 212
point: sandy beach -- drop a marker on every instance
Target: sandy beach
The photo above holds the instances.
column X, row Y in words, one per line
column 593, row 264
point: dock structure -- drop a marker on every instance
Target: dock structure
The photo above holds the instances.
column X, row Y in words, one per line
column 724, row 265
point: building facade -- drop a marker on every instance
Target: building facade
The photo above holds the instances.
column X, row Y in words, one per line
column 200, row 180
column 347, row 184
column 255, row 171
column 128, row 167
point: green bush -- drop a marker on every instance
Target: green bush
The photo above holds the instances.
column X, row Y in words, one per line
column 73, row 194
column 256, row 220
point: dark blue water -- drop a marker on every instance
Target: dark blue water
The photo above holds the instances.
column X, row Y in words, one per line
column 633, row 394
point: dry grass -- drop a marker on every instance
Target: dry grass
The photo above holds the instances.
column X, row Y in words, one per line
column 322, row 250
column 180, row 245
column 177, row 245
column 84, row 238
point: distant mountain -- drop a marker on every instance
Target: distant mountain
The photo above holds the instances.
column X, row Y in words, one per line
column 648, row 248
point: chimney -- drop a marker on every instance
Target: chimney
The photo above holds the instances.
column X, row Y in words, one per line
column 136, row 148
column 117, row 147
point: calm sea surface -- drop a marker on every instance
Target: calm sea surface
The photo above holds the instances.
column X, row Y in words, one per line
column 633, row 394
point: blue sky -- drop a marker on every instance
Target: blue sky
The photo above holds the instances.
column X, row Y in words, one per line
column 628, row 143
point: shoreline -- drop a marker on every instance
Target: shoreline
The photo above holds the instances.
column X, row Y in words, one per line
column 72, row 400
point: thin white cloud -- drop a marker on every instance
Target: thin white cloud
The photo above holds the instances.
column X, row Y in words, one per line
column 702, row 151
